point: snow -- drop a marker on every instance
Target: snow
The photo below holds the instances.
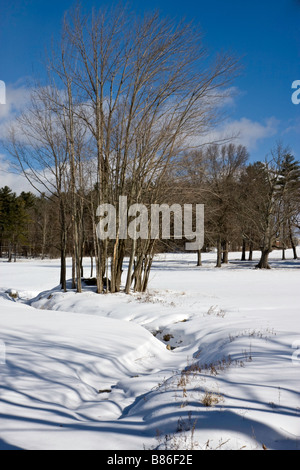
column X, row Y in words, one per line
column 83, row 371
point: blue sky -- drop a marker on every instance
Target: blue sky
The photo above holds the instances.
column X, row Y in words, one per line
column 264, row 33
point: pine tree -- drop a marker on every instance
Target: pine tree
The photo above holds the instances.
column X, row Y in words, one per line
column 14, row 220
column 290, row 200
column 7, row 198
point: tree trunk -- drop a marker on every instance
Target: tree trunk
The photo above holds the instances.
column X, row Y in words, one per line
column 199, row 258
column 264, row 260
column 73, row 271
column 92, row 265
column 131, row 262
column 225, row 259
column 251, row 252
column 219, row 254
column 294, row 250
column 9, row 253
column 244, row 251
column 63, row 247
column 119, row 270
column 99, row 266
column 147, row 272
column 292, row 241
column 113, row 268
column 63, row 280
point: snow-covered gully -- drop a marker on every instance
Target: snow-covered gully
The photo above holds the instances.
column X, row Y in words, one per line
column 195, row 363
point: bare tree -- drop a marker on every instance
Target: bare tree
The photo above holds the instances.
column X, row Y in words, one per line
column 147, row 87
column 224, row 167
column 266, row 214
column 37, row 141
column 141, row 90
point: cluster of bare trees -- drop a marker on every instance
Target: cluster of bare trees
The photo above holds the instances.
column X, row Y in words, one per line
column 247, row 205
column 125, row 97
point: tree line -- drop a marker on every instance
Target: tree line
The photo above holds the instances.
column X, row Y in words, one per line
column 123, row 112
column 248, row 206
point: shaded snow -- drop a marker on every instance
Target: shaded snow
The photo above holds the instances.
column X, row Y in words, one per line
column 84, row 371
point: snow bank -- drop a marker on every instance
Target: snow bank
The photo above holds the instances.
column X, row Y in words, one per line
column 62, row 369
column 206, row 359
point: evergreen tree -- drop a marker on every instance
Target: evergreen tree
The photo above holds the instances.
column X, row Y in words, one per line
column 290, row 201
column 7, row 198
column 14, row 220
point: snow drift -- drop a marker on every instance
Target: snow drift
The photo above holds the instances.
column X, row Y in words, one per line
column 206, row 359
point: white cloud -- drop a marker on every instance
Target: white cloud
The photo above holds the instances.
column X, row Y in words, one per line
column 244, row 131
column 229, row 97
column 251, row 132
column 11, row 177
column 293, row 126
column 16, row 98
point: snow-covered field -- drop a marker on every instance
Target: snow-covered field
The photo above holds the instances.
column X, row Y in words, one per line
column 206, row 359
